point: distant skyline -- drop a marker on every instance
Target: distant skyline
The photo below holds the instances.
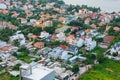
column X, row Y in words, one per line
column 106, row 5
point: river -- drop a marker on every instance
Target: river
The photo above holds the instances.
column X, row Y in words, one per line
column 106, row 5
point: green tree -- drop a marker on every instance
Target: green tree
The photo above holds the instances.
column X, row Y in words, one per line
column 50, row 30
column 75, row 68
column 23, row 49
column 16, row 67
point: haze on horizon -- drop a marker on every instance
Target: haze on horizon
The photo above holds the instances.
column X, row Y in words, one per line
column 106, row 5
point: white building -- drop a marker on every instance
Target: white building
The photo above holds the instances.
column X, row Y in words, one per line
column 61, row 36
column 80, row 42
column 44, row 34
column 3, row 6
column 65, row 55
column 2, row 44
column 17, row 36
column 36, row 72
column 88, row 40
column 91, row 45
column 115, row 48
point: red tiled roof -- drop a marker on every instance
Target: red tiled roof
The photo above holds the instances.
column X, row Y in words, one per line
column 109, row 38
column 63, row 47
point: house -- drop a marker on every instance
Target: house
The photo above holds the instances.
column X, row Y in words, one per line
column 94, row 15
column 79, row 42
column 73, row 49
column 3, row 6
column 48, row 23
column 115, row 48
column 74, row 28
column 53, row 37
column 64, row 47
column 93, row 26
column 71, row 39
column 93, row 32
column 2, row 44
column 108, row 39
column 87, row 20
column 23, row 20
column 66, row 55
column 87, row 39
column 44, row 34
column 17, row 37
column 91, row 45
column 32, row 21
column 103, row 45
column 61, row 36
column 56, row 52
column 44, row 51
column 116, row 29
column 39, row 45
column 62, row 19
column 80, row 33
column 32, row 36
column 13, row 27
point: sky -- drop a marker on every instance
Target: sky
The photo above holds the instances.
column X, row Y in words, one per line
column 106, row 5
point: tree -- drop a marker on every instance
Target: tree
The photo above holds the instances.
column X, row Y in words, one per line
column 50, row 30
column 90, row 58
column 16, row 67
column 75, row 68
column 16, row 43
column 23, row 49
column 99, row 39
column 22, row 54
column 100, row 58
column 36, row 30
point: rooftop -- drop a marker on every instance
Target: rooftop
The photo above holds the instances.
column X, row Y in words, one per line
column 38, row 69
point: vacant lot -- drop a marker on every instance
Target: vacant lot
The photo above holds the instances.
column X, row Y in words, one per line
column 109, row 70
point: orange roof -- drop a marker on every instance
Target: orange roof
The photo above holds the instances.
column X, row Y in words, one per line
column 5, row 11
column 93, row 25
column 87, row 19
column 101, row 23
column 87, row 30
column 63, row 47
column 33, row 36
column 5, row 48
column 61, row 19
column 71, row 36
column 94, row 14
column 1, row 50
column 13, row 27
column 53, row 37
column 39, row 43
column 116, row 28
column 15, row 14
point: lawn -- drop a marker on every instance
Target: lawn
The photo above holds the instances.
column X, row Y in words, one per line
column 109, row 70
column 26, row 59
column 98, row 50
column 7, row 76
